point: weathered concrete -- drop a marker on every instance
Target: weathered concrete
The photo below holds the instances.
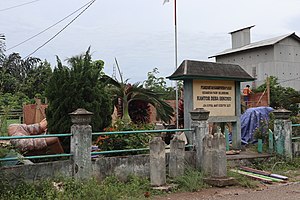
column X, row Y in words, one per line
column 188, row 106
column 215, row 166
column 176, row 160
column 296, row 148
column 81, row 142
column 219, row 162
column 207, row 154
column 35, row 172
column 200, row 125
column 157, row 162
column 283, row 133
column 121, row 167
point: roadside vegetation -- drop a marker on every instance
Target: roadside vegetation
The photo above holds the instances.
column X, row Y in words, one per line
column 136, row 187
column 109, row 189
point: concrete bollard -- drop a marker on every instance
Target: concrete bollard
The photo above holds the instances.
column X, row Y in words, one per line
column 157, row 162
column 200, row 125
column 283, row 133
column 207, row 154
column 176, row 160
column 81, row 142
column 219, row 161
column 215, row 167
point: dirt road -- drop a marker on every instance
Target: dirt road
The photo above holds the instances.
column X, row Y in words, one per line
column 289, row 191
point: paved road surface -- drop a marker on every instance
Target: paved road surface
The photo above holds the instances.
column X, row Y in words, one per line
column 290, row 191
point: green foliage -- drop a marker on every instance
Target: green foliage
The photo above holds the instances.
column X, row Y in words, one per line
column 77, row 86
column 191, row 181
column 64, row 189
column 13, row 101
column 261, row 132
column 14, row 71
column 159, row 85
column 284, row 97
column 37, row 80
column 8, row 103
column 21, row 79
column 4, row 149
column 125, row 141
column 127, row 93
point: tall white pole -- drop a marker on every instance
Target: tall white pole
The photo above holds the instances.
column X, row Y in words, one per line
column 176, row 58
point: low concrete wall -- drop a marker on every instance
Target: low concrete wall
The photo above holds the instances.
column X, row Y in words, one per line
column 36, row 172
column 101, row 167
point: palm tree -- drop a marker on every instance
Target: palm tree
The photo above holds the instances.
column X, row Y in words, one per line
column 127, row 93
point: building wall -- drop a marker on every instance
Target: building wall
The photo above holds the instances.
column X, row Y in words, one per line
column 281, row 60
column 287, row 63
column 255, row 62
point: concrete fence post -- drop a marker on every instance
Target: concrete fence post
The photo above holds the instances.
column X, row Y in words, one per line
column 207, row 154
column 200, row 125
column 219, row 161
column 157, row 162
column 81, row 142
column 283, row 133
column 215, row 160
column 176, row 160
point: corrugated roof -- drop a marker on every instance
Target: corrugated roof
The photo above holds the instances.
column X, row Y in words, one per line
column 262, row 43
column 191, row 69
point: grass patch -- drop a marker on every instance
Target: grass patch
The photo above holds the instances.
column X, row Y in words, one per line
column 110, row 189
column 191, row 181
column 135, row 188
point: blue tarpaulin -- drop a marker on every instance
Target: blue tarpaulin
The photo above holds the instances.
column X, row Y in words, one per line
column 250, row 120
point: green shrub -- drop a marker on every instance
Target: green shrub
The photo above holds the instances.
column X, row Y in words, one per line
column 77, row 86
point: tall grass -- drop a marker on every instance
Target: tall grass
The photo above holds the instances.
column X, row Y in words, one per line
column 191, row 181
column 65, row 189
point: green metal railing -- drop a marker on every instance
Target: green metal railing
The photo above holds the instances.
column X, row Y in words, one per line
column 92, row 153
column 141, row 131
column 135, row 132
column 129, row 150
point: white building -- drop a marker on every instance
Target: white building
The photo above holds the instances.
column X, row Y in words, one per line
column 279, row 57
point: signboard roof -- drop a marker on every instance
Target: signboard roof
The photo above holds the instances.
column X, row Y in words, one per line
column 191, row 69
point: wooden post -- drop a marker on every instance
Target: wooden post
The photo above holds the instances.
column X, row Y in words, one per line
column 37, row 115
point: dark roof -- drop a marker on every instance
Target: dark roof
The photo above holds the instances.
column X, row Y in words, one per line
column 241, row 29
column 263, row 43
column 191, row 69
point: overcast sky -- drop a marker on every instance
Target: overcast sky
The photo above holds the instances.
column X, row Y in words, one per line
column 140, row 33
